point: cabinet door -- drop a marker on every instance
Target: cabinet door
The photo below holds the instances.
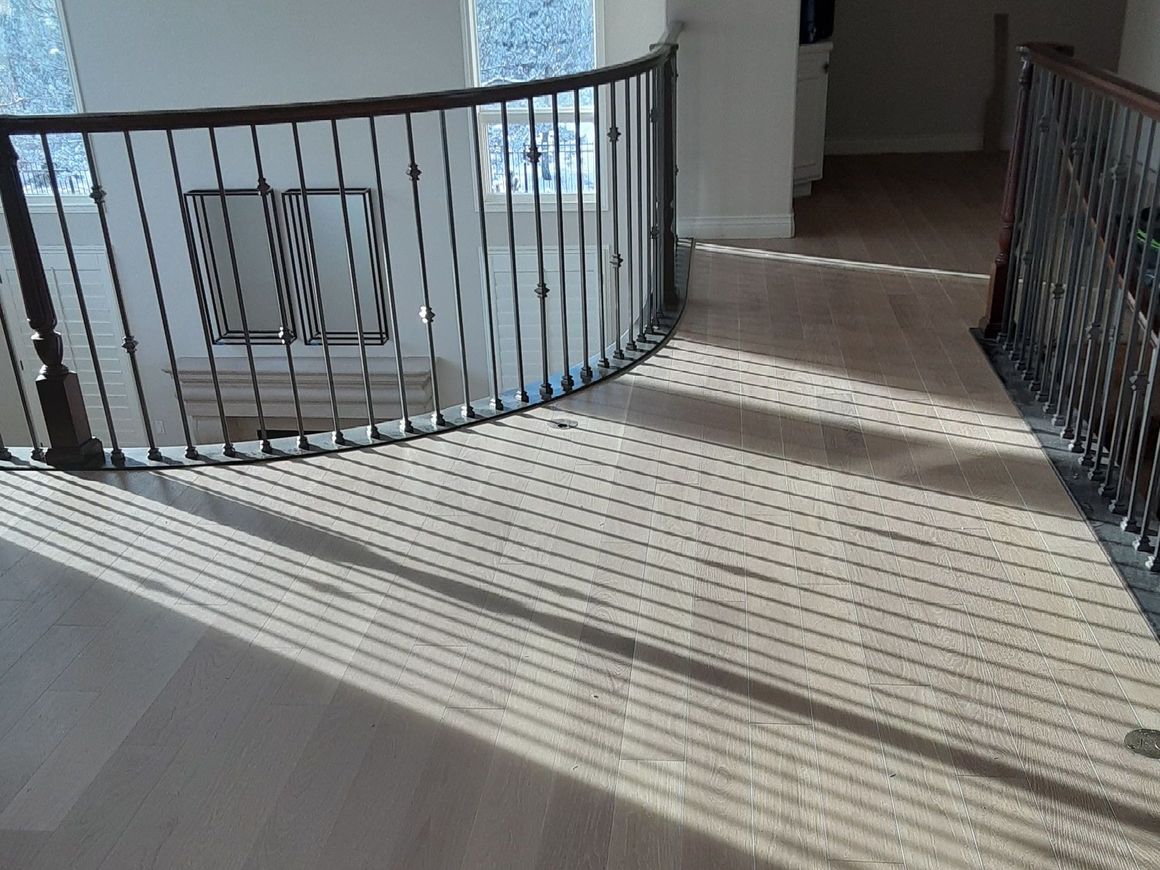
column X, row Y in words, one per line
column 810, row 129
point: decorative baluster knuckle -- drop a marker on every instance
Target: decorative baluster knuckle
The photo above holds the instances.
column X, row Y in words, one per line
column 414, row 173
column 542, row 290
column 427, row 314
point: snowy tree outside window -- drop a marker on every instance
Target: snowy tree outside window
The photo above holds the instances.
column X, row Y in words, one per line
column 525, row 40
column 35, row 80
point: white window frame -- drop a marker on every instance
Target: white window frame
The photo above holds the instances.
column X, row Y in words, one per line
column 485, row 116
column 43, row 202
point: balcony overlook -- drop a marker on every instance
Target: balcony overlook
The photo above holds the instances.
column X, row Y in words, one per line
column 388, row 484
column 777, row 594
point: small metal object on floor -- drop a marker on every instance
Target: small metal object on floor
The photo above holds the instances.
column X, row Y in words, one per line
column 562, row 423
column 1144, row 741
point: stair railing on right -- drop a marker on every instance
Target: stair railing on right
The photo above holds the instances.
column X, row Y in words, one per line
column 1076, row 285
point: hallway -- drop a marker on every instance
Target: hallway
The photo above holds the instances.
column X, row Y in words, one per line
column 801, row 590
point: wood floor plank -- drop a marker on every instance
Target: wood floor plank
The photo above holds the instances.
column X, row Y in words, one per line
column 36, row 670
column 32, row 739
column 789, row 806
column 932, row 822
column 305, row 810
column 49, row 795
column 18, row 849
column 435, row 832
column 646, row 825
column 716, row 789
column 852, row 771
column 370, row 822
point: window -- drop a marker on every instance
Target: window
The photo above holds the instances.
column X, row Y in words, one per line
column 523, row 40
column 35, row 79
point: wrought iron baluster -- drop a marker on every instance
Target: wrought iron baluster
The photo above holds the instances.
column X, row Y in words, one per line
column 263, row 434
column 1113, row 310
column 1078, row 167
column 668, row 171
column 521, row 392
column 406, row 426
column 426, row 313
column 542, row 286
column 1093, row 298
column 115, row 454
column 1081, row 290
column 585, row 366
column 641, row 229
column 653, row 229
column 496, row 401
column 1102, row 329
column 199, row 291
column 372, row 427
column 281, row 284
column 467, row 409
column 602, row 307
column 566, row 382
column 129, row 342
column 617, row 260
column 1140, row 380
column 312, row 256
column 1014, row 296
column 1029, row 252
column 1059, row 122
column 1128, row 496
column 1128, row 258
column 629, row 239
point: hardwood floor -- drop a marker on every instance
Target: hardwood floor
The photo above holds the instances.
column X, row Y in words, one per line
column 800, row 591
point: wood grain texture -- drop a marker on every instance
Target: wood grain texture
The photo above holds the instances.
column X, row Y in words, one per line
column 799, row 591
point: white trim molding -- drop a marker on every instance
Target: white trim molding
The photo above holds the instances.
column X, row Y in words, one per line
column 942, row 143
column 766, row 226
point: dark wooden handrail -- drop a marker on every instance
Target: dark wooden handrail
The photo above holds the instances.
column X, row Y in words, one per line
column 1134, row 96
column 286, row 113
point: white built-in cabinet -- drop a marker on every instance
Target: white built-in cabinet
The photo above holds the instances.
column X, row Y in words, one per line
column 813, row 84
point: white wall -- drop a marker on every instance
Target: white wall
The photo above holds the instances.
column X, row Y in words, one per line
column 915, row 75
column 1140, row 53
column 738, row 79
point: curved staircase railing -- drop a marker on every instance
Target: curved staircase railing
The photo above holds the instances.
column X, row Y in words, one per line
column 276, row 281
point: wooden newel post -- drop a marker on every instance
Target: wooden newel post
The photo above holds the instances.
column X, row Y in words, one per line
column 71, row 441
column 992, row 321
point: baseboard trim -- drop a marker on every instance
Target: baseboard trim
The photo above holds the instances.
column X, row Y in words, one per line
column 768, row 226
column 952, row 142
